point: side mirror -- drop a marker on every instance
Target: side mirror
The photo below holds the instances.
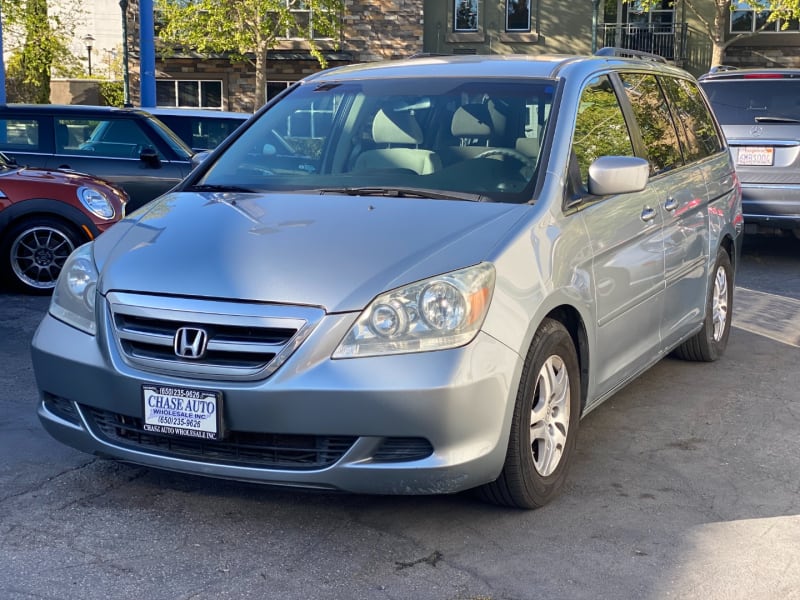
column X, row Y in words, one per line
column 199, row 157
column 149, row 156
column 618, row 175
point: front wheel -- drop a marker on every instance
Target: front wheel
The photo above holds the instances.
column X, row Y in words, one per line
column 544, row 425
column 710, row 342
column 34, row 252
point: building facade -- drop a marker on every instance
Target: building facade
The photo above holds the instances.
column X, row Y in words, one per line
column 391, row 29
column 371, row 30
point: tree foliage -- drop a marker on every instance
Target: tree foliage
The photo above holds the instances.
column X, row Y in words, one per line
column 716, row 26
column 247, row 29
column 39, row 43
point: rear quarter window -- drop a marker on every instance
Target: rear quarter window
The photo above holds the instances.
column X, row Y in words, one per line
column 19, row 134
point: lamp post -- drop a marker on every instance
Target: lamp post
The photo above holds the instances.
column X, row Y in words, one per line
column 88, row 40
column 126, row 81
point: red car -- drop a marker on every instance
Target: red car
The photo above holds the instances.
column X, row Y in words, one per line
column 44, row 216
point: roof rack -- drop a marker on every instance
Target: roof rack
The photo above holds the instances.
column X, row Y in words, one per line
column 628, row 53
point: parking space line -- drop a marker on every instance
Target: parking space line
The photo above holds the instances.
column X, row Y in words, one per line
column 769, row 315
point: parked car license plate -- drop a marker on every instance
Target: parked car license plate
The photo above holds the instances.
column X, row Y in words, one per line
column 756, row 156
column 182, row 411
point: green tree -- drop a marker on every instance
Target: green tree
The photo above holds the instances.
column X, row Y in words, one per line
column 716, row 26
column 247, row 29
column 44, row 51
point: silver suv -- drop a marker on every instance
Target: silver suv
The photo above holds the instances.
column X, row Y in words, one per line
column 412, row 277
column 759, row 110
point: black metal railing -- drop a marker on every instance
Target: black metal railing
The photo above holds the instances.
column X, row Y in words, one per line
column 667, row 40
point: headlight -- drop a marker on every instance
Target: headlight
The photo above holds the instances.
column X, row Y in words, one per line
column 74, row 294
column 96, row 202
column 438, row 313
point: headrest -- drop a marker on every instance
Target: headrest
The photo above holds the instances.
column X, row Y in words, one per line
column 472, row 120
column 528, row 146
column 399, row 128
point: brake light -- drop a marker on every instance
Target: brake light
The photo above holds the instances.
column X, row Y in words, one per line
column 765, row 76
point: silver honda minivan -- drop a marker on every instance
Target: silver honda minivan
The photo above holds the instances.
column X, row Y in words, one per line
column 410, row 277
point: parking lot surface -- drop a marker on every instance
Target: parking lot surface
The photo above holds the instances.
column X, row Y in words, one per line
column 685, row 486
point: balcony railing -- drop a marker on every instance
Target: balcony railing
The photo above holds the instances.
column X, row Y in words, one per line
column 667, row 40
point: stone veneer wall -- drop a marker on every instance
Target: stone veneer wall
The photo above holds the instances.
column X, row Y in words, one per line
column 761, row 56
column 382, row 29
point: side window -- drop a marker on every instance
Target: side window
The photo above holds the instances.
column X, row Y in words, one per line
column 19, row 134
column 96, row 137
column 693, row 115
column 655, row 121
column 600, row 128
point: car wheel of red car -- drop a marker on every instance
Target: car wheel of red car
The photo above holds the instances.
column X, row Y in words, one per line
column 35, row 250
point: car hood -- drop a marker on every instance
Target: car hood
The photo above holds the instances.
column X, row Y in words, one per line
column 47, row 176
column 337, row 252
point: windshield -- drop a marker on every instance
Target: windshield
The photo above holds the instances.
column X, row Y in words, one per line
column 475, row 138
column 748, row 101
column 178, row 146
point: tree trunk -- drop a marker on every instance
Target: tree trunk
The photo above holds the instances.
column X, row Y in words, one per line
column 261, row 76
column 37, row 52
column 722, row 9
column 717, row 53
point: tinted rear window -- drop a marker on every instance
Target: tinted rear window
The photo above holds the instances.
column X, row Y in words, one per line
column 741, row 102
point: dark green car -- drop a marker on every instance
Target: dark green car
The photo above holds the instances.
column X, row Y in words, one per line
column 125, row 146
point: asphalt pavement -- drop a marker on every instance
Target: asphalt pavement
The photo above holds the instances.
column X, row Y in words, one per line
column 686, row 485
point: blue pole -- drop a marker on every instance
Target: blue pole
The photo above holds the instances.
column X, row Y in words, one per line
column 2, row 66
column 147, row 54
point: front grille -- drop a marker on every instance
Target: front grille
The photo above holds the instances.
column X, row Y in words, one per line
column 241, row 448
column 242, row 341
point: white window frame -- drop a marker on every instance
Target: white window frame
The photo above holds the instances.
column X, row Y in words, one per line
column 199, row 82
column 473, row 6
column 302, row 7
column 775, row 27
column 510, row 6
column 274, row 84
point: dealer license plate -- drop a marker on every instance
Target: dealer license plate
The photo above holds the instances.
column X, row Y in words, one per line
column 182, row 411
column 756, row 156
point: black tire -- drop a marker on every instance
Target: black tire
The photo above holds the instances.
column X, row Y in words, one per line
column 710, row 342
column 531, row 477
column 33, row 253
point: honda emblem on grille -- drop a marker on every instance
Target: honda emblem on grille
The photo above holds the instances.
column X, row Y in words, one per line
column 190, row 342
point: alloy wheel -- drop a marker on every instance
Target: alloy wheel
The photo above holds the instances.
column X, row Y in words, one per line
column 550, row 414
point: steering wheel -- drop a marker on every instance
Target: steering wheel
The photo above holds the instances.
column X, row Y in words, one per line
column 528, row 163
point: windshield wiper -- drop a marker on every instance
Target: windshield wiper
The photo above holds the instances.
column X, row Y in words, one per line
column 402, row 192
column 206, row 187
column 776, row 120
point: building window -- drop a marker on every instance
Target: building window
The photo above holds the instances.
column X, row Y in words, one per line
column 189, row 93
column 276, row 87
column 747, row 20
column 518, row 15
column 466, row 15
column 309, row 21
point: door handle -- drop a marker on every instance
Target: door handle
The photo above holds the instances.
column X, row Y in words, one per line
column 648, row 214
column 671, row 204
